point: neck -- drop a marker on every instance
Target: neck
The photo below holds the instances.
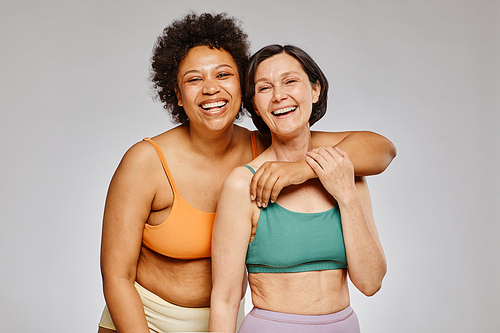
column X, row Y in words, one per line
column 292, row 148
column 212, row 144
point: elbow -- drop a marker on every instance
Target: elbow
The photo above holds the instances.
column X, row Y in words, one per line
column 389, row 154
column 380, row 154
column 370, row 285
column 388, row 150
column 225, row 297
column 371, row 289
column 392, row 150
column 386, row 144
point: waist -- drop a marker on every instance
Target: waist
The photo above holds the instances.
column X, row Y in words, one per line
column 304, row 293
column 186, row 283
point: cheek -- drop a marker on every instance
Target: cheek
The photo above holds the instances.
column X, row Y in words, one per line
column 262, row 100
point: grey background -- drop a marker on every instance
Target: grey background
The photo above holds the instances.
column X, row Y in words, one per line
column 74, row 96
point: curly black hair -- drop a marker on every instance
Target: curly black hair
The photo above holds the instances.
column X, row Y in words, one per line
column 214, row 30
column 313, row 71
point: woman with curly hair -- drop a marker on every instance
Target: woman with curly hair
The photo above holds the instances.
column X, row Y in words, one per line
column 161, row 202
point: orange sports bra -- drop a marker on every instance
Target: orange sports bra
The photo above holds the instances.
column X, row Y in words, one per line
column 187, row 232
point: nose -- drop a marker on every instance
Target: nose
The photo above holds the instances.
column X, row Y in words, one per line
column 210, row 86
column 279, row 93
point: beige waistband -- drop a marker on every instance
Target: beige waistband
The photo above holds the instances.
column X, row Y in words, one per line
column 163, row 316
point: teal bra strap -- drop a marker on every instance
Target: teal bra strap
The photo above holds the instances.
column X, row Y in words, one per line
column 249, row 168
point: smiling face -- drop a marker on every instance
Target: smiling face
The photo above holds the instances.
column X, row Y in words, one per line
column 283, row 94
column 209, row 88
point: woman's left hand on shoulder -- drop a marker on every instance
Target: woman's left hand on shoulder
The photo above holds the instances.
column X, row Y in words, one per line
column 334, row 170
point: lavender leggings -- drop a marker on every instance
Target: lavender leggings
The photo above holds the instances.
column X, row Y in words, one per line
column 264, row 321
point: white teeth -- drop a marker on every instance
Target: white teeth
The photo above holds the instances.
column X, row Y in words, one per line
column 284, row 110
column 214, row 105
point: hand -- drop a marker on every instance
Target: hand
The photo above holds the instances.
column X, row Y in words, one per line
column 334, row 169
column 272, row 177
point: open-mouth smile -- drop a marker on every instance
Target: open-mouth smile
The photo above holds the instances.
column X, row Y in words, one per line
column 283, row 111
column 213, row 106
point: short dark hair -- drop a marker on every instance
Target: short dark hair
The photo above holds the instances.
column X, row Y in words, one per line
column 309, row 66
column 214, row 30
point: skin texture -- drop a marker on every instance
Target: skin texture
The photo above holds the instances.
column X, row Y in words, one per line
column 281, row 84
column 210, row 146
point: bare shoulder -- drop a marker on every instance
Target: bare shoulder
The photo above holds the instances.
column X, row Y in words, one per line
column 238, row 180
column 141, row 156
column 143, row 153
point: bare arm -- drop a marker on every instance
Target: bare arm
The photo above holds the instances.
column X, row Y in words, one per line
column 369, row 152
column 365, row 257
column 127, row 208
column 230, row 238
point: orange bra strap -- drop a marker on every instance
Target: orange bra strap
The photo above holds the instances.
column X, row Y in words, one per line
column 164, row 163
column 254, row 145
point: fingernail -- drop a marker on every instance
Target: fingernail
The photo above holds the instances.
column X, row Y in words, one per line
column 264, row 205
column 252, row 197
column 259, row 204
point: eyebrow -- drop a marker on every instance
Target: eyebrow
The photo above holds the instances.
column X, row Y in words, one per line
column 282, row 76
column 196, row 71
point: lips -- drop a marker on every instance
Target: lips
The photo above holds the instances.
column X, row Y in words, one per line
column 282, row 111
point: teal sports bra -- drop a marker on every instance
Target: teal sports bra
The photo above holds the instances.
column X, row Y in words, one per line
column 290, row 242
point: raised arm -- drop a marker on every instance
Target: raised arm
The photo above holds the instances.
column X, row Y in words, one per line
column 127, row 208
column 370, row 153
column 230, row 238
column 365, row 257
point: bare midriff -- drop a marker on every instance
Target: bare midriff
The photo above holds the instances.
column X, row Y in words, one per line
column 187, row 283
column 304, row 293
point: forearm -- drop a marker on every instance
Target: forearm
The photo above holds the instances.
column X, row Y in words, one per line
column 223, row 315
column 125, row 305
column 370, row 153
column 365, row 257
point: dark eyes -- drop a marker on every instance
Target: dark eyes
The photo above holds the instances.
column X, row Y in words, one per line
column 221, row 76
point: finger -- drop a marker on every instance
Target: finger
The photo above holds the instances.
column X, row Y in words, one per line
column 258, row 179
column 267, row 190
column 314, row 165
column 278, row 186
column 321, row 158
column 344, row 155
column 266, row 180
column 341, row 152
column 333, row 153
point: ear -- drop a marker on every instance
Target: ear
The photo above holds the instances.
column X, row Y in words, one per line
column 179, row 97
column 255, row 109
column 316, row 90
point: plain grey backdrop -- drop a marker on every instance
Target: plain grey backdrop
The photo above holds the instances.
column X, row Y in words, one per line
column 74, row 96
